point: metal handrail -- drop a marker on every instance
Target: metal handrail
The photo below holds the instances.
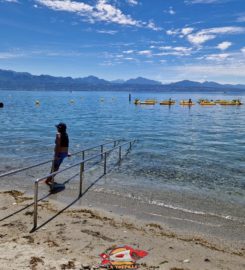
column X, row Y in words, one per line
column 47, row 161
column 81, row 163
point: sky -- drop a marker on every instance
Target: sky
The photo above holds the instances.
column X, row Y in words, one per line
column 163, row 40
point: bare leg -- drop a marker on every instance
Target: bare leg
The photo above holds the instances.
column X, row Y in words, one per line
column 55, row 167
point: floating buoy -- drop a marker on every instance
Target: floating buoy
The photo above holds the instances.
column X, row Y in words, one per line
column 37, row 102
column 1, row 105
column 71, row 101
column 101, row 99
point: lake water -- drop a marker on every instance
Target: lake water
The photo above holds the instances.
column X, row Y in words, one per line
column 194, row 152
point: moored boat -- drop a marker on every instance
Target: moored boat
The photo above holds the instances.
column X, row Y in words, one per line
column 207, row 103
column 218, row 101
column 136, row 101
column 145, row 102
column 231, row 102
column 187, row 102
column 167, row 102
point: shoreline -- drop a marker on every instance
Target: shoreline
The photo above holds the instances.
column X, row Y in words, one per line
column 185, row 214
column 83, row 231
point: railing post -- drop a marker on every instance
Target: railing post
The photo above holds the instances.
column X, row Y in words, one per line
column 120, row 153
column 81, row 178
column 101, row 151
column 83, row 155
column 35, row 205
column 105, row 157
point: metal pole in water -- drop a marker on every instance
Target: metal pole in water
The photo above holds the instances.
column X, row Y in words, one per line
column 83, row 155
column 81, row 178
column 130, row 145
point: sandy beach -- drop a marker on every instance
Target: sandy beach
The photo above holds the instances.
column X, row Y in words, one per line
column 76, row 236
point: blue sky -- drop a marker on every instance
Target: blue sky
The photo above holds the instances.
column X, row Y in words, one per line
column 164, row 40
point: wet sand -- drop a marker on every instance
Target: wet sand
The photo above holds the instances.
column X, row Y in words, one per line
column 80, row 233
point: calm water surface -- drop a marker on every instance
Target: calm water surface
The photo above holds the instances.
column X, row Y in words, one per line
column 199, row 150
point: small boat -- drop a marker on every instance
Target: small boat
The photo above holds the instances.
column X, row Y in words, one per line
column 186, row 102
column 218, row 101
column 231, row 102
column 167, row 102
column 146, row 102
column 207, row 102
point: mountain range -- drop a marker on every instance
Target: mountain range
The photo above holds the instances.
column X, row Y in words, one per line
column 11, row 80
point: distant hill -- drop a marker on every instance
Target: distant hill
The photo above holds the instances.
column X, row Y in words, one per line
column 119, row 81
column 141, row 80
column 92, row 80
column 187, row 83
column 11, row 80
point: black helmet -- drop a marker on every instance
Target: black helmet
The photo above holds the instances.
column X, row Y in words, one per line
column 61, row 127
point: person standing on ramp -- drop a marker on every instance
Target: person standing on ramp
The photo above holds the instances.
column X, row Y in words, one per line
column 60, row 150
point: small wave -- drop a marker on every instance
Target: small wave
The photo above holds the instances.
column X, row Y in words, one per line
column 169, row 206
column 185, row 210
column 185, row 219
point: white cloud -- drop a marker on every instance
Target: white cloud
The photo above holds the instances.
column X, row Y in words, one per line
column 225, row 30
column 128, row 51
column 217, row 57
column 243, row 50
column 132, row 2
column 241, row 19
column 199, row 38
column 10, row 1
column 172, row 32
column 175, row 51
column 8, row 55
column 170, row 11
column 107, row 12
column 187, row 30
column 145, row 52
column 207, row 34
column 109, row 32
column 102, row 11
column 151, row 25
column 214, row 71
column 165, row 47
column 180, row 32
column 201, row 1
column 224, row 45
column 67, row 5
column 182, row 49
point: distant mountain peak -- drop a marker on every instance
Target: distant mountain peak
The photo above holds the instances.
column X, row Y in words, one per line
column 119, row 81
column 141, row 80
